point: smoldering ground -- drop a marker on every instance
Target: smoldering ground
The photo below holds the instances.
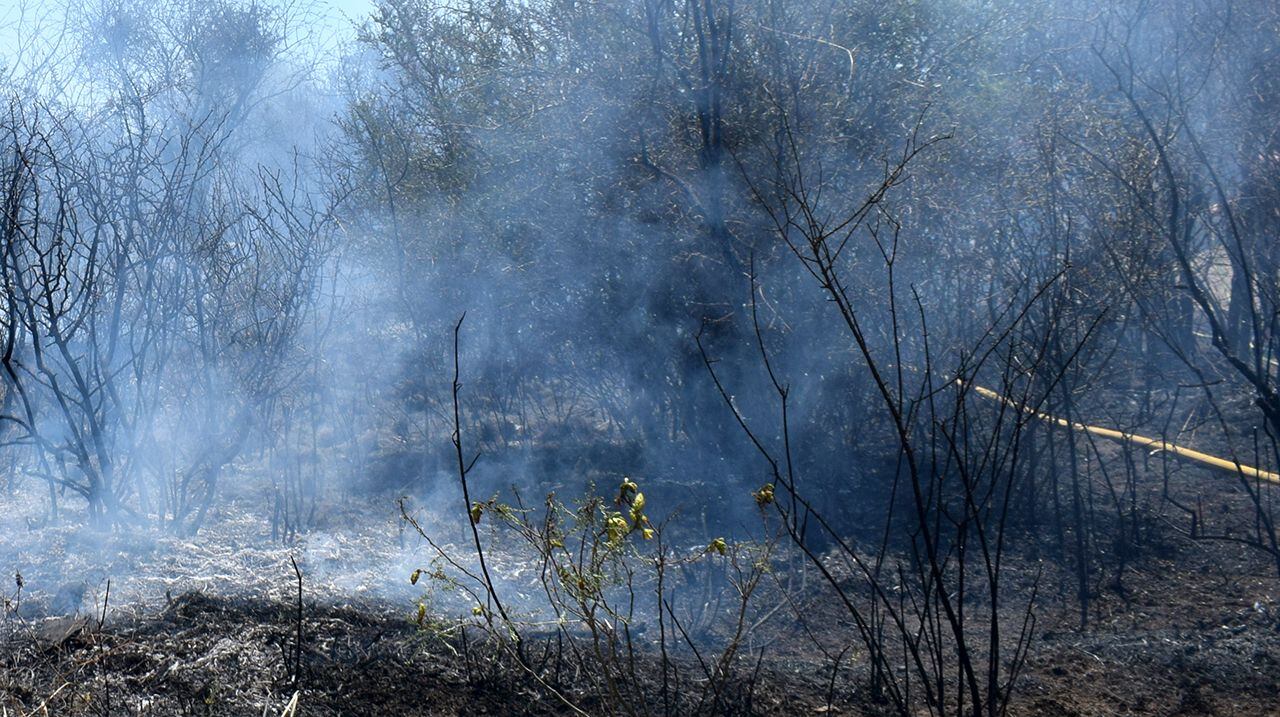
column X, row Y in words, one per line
column 786, row 324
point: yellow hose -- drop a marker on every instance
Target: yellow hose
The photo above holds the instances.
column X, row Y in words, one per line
column 1143, row 441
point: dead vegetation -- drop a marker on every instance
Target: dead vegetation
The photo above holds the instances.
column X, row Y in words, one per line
column 1194, row 630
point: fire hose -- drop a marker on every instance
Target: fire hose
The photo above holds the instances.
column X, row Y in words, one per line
column 1137, row 440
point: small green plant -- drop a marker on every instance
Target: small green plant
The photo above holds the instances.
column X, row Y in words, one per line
column 603, row 577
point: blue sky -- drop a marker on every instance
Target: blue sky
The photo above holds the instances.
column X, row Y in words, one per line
column 339, row 10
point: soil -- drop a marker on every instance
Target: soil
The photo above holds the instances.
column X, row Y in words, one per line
column 1189, row 627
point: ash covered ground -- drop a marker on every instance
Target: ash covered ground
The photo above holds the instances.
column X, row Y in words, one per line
column 209, row 626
